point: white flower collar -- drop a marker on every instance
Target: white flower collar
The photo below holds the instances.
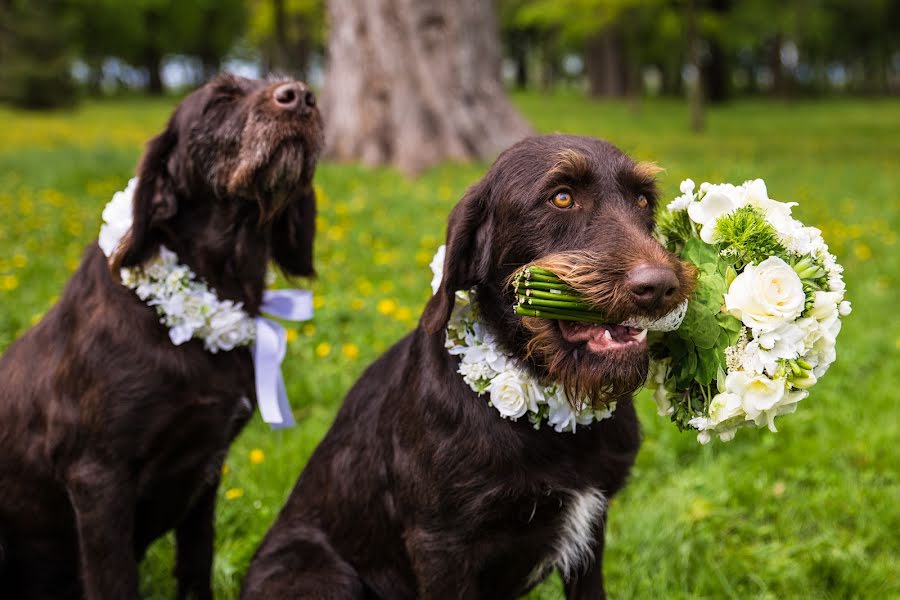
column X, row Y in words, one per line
column 192, row 310
column 487, row 369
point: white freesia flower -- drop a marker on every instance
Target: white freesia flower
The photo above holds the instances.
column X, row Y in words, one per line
column 764, row 352
column 437, row 268
column 724, row 406
column 766, row 295
column 844, row 308
column 778, row 214
column 686, row 197
column 825, row 305
column 719, row 201
column 760, row 396
column 117, row 218
column 510, row 394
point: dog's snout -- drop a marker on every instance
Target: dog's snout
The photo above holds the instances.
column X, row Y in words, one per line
column 294, row 96
column 649, row 285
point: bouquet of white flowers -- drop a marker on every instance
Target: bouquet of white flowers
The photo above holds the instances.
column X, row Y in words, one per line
column 761, row 327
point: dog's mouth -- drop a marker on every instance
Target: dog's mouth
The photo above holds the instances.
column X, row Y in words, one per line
column 605, row 338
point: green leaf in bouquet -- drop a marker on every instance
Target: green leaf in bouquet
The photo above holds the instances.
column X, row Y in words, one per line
column 707, row 365
column 700, row 253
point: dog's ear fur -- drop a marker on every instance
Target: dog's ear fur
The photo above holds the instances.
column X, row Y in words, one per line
column 467, row 259
column 293, row 232
column 154, row 199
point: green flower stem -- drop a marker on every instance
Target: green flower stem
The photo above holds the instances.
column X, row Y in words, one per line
column 552, row 295
column 544, row 285
column 541, row 277
column 554, row 303
column 560, row 315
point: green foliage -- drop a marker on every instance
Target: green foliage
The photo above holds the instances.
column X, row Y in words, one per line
column 36, row 54
column 746, row 237
column 809, row 512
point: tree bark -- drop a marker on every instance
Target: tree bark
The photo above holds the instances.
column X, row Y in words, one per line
column 695, row 88
column 411, row 83
column 607, row 69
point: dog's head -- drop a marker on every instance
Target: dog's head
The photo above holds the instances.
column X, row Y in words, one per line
column 236, row 145
column 580, row 207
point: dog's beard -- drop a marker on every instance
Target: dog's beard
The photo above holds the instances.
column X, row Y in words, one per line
column 590, row 377
column 270, row 164
column 586, row 377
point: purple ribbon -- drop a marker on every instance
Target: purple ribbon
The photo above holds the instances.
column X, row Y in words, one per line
column 269, row 351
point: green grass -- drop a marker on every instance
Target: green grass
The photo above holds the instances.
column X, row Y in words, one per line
column 810, row 512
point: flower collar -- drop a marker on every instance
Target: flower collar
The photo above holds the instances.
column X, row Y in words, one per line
column 488, row 369
column 192, row 310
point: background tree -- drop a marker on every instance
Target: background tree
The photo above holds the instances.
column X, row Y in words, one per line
column 288, row 33
column 36, row 53
column 412, row 83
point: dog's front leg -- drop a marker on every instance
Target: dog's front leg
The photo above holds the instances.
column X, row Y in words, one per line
column 587, row 584
column 103, row 499
column 440, row 573
column 194, row 547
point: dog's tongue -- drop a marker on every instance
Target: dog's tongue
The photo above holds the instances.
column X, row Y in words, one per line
column 599, row 338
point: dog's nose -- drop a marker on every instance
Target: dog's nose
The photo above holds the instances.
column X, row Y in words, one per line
column 294, row 96
column 649, row 285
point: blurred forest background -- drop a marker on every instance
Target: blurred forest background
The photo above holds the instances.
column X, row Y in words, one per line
column 55, row 53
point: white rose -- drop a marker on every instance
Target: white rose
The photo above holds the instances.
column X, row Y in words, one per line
column 117, row 217
column 724, row 406
column 510, row 394
column 228, row 328
column 718, row 201
column 766, row 295
column 437, row 267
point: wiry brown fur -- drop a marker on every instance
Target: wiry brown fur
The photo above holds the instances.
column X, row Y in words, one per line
column 112, row 436
column 421, row 489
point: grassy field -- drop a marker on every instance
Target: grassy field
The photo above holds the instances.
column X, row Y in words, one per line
column 810, row 512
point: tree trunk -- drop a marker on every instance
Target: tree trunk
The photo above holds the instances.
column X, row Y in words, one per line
column 153, row 54
column 411, row 83
column 695, row 88
column 604, row 58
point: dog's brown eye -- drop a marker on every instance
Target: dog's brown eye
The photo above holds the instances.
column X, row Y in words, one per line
column 642, row 201
column 563, row 200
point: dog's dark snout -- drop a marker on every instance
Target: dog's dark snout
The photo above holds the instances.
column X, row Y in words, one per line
column 649, row 285
column 293, row 96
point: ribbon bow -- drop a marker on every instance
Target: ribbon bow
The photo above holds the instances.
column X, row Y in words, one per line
column 269, row 350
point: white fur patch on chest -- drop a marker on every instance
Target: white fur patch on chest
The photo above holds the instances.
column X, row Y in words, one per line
column 574, row 548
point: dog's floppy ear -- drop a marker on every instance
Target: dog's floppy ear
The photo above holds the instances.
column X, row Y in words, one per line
column 467, row 259
column 293, row 232
column 154, row 199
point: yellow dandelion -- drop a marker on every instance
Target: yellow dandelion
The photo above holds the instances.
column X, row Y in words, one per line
column 862, row 252
column 403, row 314
column 309, row 330
column 233, row 493
column 225, row 469
column 318, row 301
column 9, row 283
column 257, row 456
column 19, row 260
column 36, row 317
column 323, row 349
column 357, row 304
column 350, row 351
column 291, row 335
column 365, row 287
column 386, row 306
column 386, row 286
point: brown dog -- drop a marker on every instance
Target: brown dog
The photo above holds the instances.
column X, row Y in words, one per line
column 420, row 489
column 112, row 435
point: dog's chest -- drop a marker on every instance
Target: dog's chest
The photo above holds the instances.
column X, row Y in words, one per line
column 572, row 544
